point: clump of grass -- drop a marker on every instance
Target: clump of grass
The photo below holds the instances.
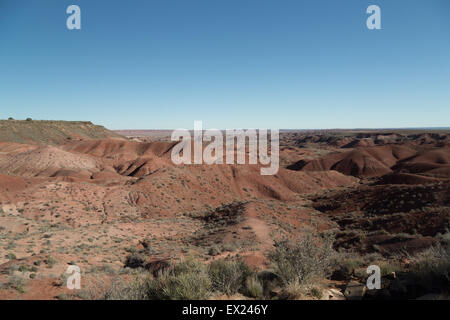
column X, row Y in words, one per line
column 349, row 265
column 108, row 269
column 183, row 286
column 352, row 264
column 388, row 267
column 254, row 287
column 293, row 290
column 431, row 267
column 50, row 261
column 184, row 281
column 118, row 289
column 296, row 289
column 11, row 256
column 228, row 276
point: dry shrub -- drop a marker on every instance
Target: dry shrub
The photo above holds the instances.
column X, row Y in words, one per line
column 304, row 260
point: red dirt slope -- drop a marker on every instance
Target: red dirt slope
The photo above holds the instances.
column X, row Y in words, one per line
column 365, row 162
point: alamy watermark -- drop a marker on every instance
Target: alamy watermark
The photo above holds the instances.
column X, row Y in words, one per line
column 73, row 22
column 374, row 20
column 374, row 280
column 236, row 150
column 74, row 278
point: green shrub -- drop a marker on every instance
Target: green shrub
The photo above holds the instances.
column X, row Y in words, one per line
column 228, row 276
column 11, row 256
column 23, row 268
column 50, row 261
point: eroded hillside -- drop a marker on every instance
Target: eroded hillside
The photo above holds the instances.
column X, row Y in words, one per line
column 96, row 202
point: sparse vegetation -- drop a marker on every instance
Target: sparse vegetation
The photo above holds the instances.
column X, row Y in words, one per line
column 431, row 267
column 43, row 131
column 127, row 220
column 15, row 282
column 304, row 259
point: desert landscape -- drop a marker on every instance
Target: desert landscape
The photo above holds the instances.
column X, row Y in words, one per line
column 140, row 227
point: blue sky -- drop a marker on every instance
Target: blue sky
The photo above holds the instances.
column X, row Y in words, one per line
column 231, row 63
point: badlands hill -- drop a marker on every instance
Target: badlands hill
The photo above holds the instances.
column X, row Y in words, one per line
column 74, row 192
column 51, row 132
column 368, row 162
column 381, row 160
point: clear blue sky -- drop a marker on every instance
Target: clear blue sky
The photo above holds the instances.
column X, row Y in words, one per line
column 231, row 63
